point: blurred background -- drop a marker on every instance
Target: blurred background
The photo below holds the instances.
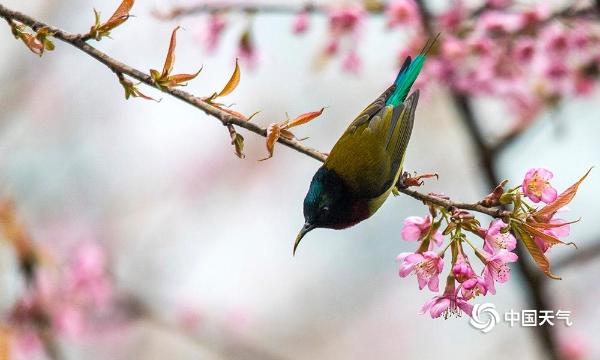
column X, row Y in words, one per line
column 155, row 241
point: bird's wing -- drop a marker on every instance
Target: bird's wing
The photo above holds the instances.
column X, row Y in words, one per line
column 369, row 156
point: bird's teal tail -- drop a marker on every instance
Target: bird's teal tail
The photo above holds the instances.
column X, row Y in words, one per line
column 408, row 74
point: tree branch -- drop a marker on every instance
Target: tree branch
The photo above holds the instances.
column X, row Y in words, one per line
column 119, row 67
column 225, row 118
column 183, row 11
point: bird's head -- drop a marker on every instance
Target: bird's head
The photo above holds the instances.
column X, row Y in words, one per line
column 325, row 205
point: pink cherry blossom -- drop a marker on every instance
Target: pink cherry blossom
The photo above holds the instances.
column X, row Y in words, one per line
column 496, row 268
column 498, row 23
column 301, row 22
column 555, row 41
column 448, row 304
column 332, row 47
column 452, row 18
column 530, row 17
column 496, row 240
column 473, row 287
column 345, row 20
column 536, row 186
column 453, row 49
column 351, row 62
column 427, row 266
column 85, row 278
column 402, row 12
column 524, row 50
column 462, row 269
column 416, row 228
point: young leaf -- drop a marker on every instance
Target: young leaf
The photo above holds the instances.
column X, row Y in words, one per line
column 232, row 83
column 120, row 15
column 545, row 214
column 536, row 253
column 32, row 42
column 98, row 30
column 303, row 119
column 170, row 59
column 164, row 79
column 273, row 134
column 132, row 90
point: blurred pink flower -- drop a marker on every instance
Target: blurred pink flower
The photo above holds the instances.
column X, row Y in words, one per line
column 352, row 62
column 497, row 23
column 332, row 47
column 453, row 49
column 584, row 85
column 301, row 22
column 452, row 18
column 214, row 29
column 556, row 70
column 345, row 20
column 86, row 279
column 416, row 228
column 27, row 342
column 427, row 266
column 574, row 346
column 536, row 186
column 68, row 320
column 496, row 240
column 555, row 41
column 402, row 12
column 524, row 50
column 496, row 269
column 480, row 46
column 531, row 16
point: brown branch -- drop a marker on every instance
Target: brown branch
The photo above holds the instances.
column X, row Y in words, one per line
column 225, row 118
column 182, row 11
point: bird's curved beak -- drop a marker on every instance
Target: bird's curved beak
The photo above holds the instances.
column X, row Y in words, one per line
column 306, row 228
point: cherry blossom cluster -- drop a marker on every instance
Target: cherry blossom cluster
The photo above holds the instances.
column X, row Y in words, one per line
column 68, row 301
column 538, row 228
column 529, row 56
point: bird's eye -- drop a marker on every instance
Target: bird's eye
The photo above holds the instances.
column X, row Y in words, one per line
column 325, row 209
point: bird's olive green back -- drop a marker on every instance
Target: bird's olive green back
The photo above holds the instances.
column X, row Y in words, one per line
column 369, row 155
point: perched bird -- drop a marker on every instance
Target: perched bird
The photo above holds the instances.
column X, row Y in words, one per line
column 366, row 162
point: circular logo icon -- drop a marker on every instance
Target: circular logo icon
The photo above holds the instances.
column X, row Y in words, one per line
column 484, row 317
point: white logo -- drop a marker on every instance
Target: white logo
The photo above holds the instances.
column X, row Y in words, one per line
column 491, row 317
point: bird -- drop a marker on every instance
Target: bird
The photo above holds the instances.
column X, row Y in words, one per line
column 366, row 162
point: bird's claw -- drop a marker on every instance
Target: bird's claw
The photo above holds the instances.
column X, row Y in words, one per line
column 407, row 180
